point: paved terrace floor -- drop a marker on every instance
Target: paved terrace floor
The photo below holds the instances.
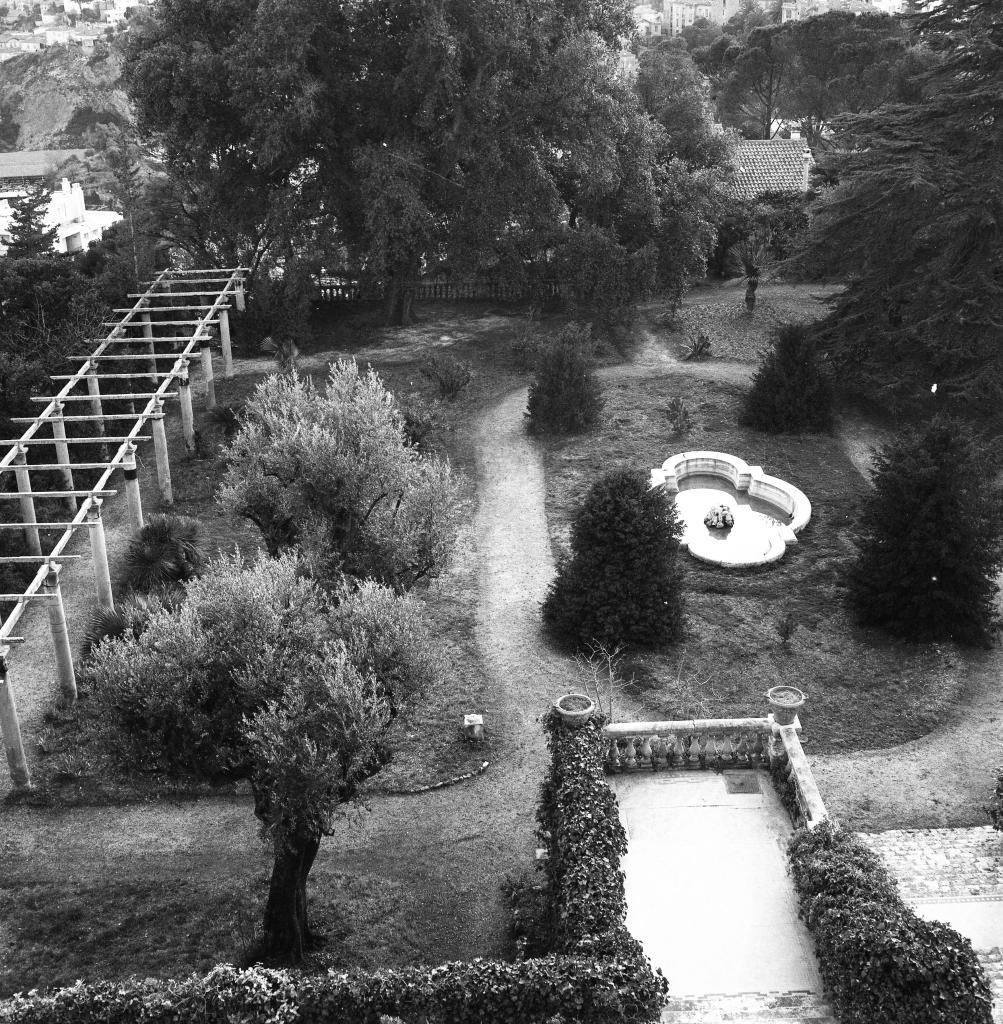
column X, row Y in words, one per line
column 708, row 894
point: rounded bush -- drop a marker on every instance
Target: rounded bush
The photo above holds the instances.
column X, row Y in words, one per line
column 791, row 391
column 620, row 584
column 565, row 396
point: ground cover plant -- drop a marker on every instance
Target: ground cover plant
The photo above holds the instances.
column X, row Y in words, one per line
column 730, row 652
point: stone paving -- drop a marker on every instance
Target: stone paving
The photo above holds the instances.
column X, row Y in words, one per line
column 940, row 862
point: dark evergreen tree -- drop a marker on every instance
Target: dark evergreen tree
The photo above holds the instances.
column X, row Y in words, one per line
column 565, row 396
column 621, row 584
column 29, row 237
column 915, row 224
column 930, row 538
column 791, row 391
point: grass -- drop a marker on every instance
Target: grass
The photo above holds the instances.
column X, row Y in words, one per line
column 865, row 690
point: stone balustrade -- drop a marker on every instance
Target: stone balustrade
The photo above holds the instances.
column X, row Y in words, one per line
column 722, row 743
column 697, row 743
column 793, row 773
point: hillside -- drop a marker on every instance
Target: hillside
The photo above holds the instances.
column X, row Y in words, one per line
column 55, row 96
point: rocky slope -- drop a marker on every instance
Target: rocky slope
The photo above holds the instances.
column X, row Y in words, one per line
column 56, row 95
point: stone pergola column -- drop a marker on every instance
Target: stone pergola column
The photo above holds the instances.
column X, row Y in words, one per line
column 10, row 727
column 224, row 339
column 27, row 502
column 185, row 401
column 210, row 386
column 160, row 448
column 99, row 552
column 63, row 452
column 132, row 494
column 60, row 635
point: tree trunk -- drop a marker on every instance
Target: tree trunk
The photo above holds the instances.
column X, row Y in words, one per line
column 286, row 934
column 400, row 294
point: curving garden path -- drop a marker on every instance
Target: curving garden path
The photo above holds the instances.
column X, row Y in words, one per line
column 453, row 845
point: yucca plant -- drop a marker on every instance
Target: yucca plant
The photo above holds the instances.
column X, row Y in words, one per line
column 130, row 616
column 750, row 260
column 165, row 551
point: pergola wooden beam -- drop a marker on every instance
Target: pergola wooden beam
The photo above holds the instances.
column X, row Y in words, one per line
column 59, row 465
column 127, row 396
column 38, row 558
column 178, row 295
column 97, row 439
column 170, row 309
column 132, row 358
column 10, row 496
column 82, row 379
column 158, row 323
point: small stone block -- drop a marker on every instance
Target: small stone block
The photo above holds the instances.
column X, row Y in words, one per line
column 473, row 727
column 541, row 853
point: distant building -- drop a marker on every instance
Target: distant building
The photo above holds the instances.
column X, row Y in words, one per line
column 669, row 17
column 76, row 226
column 798, row 10
column 774, row 165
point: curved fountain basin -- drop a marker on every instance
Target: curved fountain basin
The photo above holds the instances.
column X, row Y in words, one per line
column 769, row 512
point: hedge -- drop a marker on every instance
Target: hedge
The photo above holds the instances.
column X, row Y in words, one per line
column 879, row 960
column 581, row 831
column 478, row 992
column 593, row 970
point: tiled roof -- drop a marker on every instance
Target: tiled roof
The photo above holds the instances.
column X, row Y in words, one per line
column 774, row 165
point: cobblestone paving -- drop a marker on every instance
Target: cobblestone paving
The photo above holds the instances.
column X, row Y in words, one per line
column 942, row 862
column 750, row 1008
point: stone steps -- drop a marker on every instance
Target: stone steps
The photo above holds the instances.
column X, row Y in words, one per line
column 749, row 1008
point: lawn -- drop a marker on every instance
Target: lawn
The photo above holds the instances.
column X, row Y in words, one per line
column 865, row 690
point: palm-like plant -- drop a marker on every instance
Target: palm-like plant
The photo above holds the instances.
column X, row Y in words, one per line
column 165, row 551
column 750, row 260
column 129, row 617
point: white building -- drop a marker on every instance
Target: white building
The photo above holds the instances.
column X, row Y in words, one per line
column 669, row 17
column 76, row 226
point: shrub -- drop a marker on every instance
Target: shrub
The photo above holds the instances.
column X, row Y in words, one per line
column 678, row 415
column 421, row 420
column 330, row 473
column 451, row 375
column 540, row 991
column 994, row 811
column 930, row 536
column 791, row 391
column 565, row 396
column 620, row 584
column 584, row 901
column 129, row 618
column 880, row 960
column 164, row 552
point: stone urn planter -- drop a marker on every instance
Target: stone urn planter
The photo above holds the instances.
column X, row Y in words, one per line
column 575, row 709
column 784, row 703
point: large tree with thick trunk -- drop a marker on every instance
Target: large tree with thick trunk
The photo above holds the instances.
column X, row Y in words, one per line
column 260, row 675
column 435, row 135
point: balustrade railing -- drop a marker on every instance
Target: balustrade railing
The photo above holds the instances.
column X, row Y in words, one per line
column 698, row 743
column 719, row 743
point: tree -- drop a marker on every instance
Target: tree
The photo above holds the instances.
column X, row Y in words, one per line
column 677, row 96
column 915, row 226
column 263, row 677
column 930, row 539
column 753, row 91
column 701, row 33
column 565, row 396
column 330, row 473
column 29, row 236
column 620, row 584
column 841, row 63
column 426, row 134
column 791, row 392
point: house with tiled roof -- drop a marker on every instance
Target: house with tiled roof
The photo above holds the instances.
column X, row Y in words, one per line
column 770, row 165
